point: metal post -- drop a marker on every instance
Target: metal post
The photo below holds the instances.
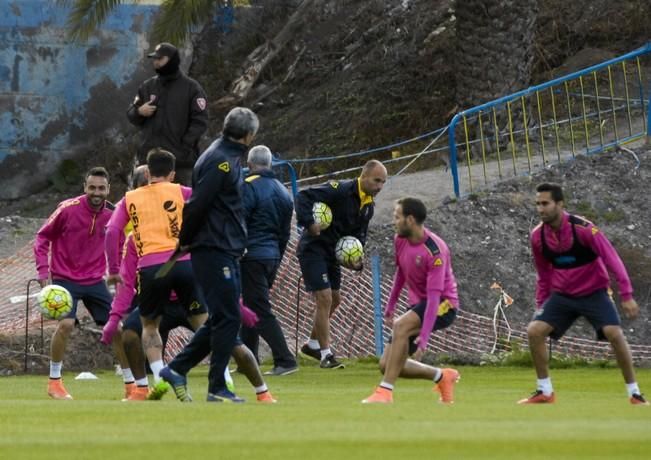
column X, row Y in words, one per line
column 377, row 304
column 27, row 323
column 298, row 309
column 648, row 117
column 452, row 143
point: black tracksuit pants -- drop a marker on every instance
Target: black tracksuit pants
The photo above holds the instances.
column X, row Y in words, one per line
column 218, row 276
column 257, row 278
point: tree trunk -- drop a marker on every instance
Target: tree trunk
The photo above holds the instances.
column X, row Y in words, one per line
column 261, row 56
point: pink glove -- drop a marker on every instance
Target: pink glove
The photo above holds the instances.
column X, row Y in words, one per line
column 109, row 330
column 249, row 318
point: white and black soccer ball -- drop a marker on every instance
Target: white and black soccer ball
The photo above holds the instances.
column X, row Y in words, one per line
column 349, row 251
column 322, row 214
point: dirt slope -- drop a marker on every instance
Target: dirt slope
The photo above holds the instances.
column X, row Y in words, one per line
column 488, row 232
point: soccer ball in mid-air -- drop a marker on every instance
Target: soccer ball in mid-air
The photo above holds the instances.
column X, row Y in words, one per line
column 322, row 214
column 349, row 251
column 54, row 301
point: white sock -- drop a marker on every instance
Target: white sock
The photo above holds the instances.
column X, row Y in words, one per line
column 55, row 369
column 127, row 375
column 261, row 389
column 313, row 344
column 227, row 376
column 386, row 385
column 325, row 352
column 437, row 375
column 632, row 389
column 143, row 382
column 156, row 367
column 545, row 385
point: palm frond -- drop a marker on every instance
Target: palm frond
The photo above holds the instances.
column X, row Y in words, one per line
column 178, row 17
column 87, row 15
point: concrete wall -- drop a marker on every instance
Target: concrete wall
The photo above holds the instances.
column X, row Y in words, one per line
column 56, row 96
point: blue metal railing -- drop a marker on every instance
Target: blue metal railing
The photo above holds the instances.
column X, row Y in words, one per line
column 485, row 108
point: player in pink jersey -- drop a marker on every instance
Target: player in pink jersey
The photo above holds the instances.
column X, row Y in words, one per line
column 424, row 264
column 69, row 251
column 573, row 258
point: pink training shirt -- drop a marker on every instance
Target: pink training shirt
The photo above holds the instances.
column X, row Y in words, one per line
column 115, row 228
column 426, row 267
column 583, row 280
column 73, row 237
column 126, row 291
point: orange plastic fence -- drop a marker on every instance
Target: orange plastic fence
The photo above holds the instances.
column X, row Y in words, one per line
column 352, row 326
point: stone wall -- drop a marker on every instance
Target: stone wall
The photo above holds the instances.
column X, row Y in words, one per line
column 57, row 96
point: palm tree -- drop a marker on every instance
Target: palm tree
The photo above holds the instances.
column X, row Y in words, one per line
column 174, row 24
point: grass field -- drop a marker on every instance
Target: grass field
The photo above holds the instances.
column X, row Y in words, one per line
column 319, row 416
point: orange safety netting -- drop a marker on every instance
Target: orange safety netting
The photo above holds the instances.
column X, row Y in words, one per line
column 352, row 326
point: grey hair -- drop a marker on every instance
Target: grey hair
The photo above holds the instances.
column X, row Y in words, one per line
column 140, row 176
column 240, row 122
column 260, row 155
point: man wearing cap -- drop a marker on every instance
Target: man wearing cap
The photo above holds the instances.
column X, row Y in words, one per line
column 170, row 109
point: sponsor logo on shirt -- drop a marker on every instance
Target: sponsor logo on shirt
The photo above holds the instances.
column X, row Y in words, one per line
column 438, row 262
column 133, row 214
column 172, row 218
column 201, row 103
column 595, row 230
column 334, row 184
column 418, row 260
column 225, row 167
column 227, row 273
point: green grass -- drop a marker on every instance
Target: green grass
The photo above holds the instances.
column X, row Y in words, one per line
column 319, row 415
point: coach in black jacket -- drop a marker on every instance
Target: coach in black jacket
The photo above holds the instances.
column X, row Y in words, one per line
column 268, row 210
column 213, row 230
column 351, row 202
column 170, row 110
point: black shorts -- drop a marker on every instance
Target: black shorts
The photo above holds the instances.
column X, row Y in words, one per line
column 446, row 316
column 560, row 312
column 174, row 315
column 96, row 297
column 319, row 268
column 154, row 293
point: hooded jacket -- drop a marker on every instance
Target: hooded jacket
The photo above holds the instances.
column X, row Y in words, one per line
column 180, row 118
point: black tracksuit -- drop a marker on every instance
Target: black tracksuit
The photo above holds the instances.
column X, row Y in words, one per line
column 349, row 218
column 213, row 226
column 180, row 118
column 316, row 254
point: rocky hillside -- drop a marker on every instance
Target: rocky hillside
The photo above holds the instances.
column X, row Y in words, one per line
column 365, row 73
column 488, row 233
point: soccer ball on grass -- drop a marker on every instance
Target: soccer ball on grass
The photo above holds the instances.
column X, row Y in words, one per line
column 54, row 301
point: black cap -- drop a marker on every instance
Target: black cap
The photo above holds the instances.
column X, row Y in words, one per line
column 163, row 49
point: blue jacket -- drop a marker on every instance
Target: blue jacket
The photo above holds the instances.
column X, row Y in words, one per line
column 214, row 216
column 268, row 210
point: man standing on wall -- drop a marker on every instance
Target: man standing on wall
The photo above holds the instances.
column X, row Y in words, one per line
column 170, row 110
